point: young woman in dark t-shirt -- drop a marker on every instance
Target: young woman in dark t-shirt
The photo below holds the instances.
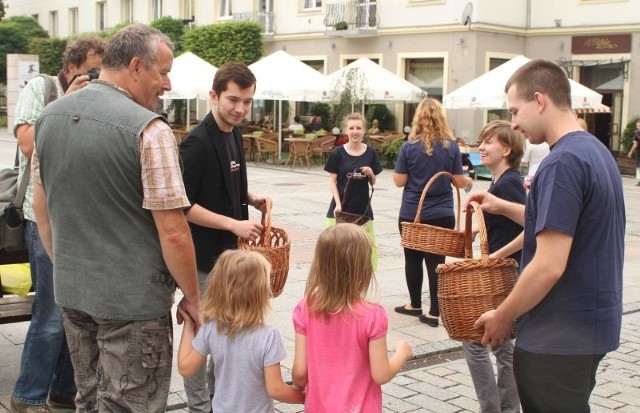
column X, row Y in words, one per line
column 501, row 150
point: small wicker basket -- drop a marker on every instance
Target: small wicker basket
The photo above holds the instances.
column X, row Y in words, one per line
column 275, row 245
column 430, row 238
column 468, row 288
column 348, row 217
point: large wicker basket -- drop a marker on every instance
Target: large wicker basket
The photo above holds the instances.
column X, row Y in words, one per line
column 275, row 245
column 468, row 288
column 430, row 238
column 348, row 217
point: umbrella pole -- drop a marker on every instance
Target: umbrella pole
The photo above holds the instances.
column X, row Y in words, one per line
column 188, row 114
column 279, row 130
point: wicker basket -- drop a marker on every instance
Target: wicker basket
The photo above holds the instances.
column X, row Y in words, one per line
column 348, row 217
column 430, row 238
column 274, row 244
column 468, row 288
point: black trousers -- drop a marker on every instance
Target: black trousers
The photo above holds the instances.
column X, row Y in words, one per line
column 413, row 271
column 552, row 383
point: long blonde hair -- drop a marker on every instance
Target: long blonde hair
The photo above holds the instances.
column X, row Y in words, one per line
column 429, row 125
column 237, row 292
column 341, row 272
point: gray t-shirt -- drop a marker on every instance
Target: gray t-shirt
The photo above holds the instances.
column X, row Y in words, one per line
column 239, row 364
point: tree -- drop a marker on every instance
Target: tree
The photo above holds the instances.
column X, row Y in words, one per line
column 15, row 33
column 224, row 42
column 174, row 28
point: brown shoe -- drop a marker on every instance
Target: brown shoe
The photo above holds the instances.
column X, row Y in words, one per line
column 60, row 402
column 18, row 406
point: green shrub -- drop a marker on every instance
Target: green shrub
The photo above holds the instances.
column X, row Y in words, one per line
column 386, row 120
column 50, row 51
column 392, row 148
column 627, row 134
column 224, row 42
column 323, row 110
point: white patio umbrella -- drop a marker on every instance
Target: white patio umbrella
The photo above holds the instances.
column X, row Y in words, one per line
column 281, row 76
column 487, row 90
column 368, row 81
column 191, row 77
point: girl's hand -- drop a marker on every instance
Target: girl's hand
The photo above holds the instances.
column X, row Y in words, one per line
column 404, row 350
column 186, row 318
column 367, row 171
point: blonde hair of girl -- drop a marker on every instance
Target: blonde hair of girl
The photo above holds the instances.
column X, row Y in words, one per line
column 429, row 125
column 507, row 137
column 237, row 292
column 341, row 272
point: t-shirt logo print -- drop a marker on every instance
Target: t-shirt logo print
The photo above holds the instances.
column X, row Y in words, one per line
column 356, row 175
column 234, row 166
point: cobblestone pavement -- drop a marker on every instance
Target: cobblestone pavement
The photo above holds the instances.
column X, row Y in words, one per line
column 438, row 380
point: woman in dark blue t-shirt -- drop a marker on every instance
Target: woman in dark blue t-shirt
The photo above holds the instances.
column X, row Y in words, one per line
column 355, row 165
column 429, row 150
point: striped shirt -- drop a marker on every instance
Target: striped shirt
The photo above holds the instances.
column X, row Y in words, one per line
column 28, row 107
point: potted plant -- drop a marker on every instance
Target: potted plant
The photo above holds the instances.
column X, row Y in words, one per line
column 341, row 25
column 390, row 150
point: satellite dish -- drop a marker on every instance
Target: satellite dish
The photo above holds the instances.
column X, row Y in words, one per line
column 466, row 13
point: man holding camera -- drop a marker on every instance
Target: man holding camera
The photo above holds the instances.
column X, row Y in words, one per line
column 45, row 368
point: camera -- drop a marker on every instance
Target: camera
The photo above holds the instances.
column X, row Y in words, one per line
column 93, row 74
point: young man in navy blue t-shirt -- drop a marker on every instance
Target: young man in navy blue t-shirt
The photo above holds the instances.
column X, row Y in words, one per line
column 568, row 299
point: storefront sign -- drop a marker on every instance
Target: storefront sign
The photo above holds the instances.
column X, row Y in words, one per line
column 598, row 44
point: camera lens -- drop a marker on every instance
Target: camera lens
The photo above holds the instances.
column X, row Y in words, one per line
column 93, row 73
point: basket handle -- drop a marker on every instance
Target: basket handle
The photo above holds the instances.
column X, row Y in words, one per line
column 482, row 231
column 266, row 224
column 424, row 195
column 346, row 190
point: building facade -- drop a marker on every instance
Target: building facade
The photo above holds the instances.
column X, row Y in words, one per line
column 439, row 45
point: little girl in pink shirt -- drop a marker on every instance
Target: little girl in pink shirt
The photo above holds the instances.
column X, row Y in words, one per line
column 341, row 338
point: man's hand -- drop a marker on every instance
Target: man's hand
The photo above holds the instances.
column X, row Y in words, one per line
column 190, row 310
column 497, row 329
column 78, row 83
column 260, row 203
column 490, row 203
column 247, row 229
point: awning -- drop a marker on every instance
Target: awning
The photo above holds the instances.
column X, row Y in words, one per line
column 599, row 109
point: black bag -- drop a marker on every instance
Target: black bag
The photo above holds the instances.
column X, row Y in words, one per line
column 348, row 217
column 12, row 245
column 11, row 216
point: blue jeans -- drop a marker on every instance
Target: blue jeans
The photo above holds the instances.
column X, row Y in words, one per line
column 45, row 365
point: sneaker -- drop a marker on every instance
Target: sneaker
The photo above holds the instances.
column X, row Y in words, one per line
column 18, row 406
column 60, row 402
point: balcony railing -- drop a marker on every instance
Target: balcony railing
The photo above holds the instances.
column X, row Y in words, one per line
column 264, row 18
column 352, row 14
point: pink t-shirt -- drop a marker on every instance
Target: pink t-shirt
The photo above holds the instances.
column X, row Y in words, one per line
column 338, row 366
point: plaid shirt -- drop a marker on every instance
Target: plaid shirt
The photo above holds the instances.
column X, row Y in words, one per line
column 161, row 175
